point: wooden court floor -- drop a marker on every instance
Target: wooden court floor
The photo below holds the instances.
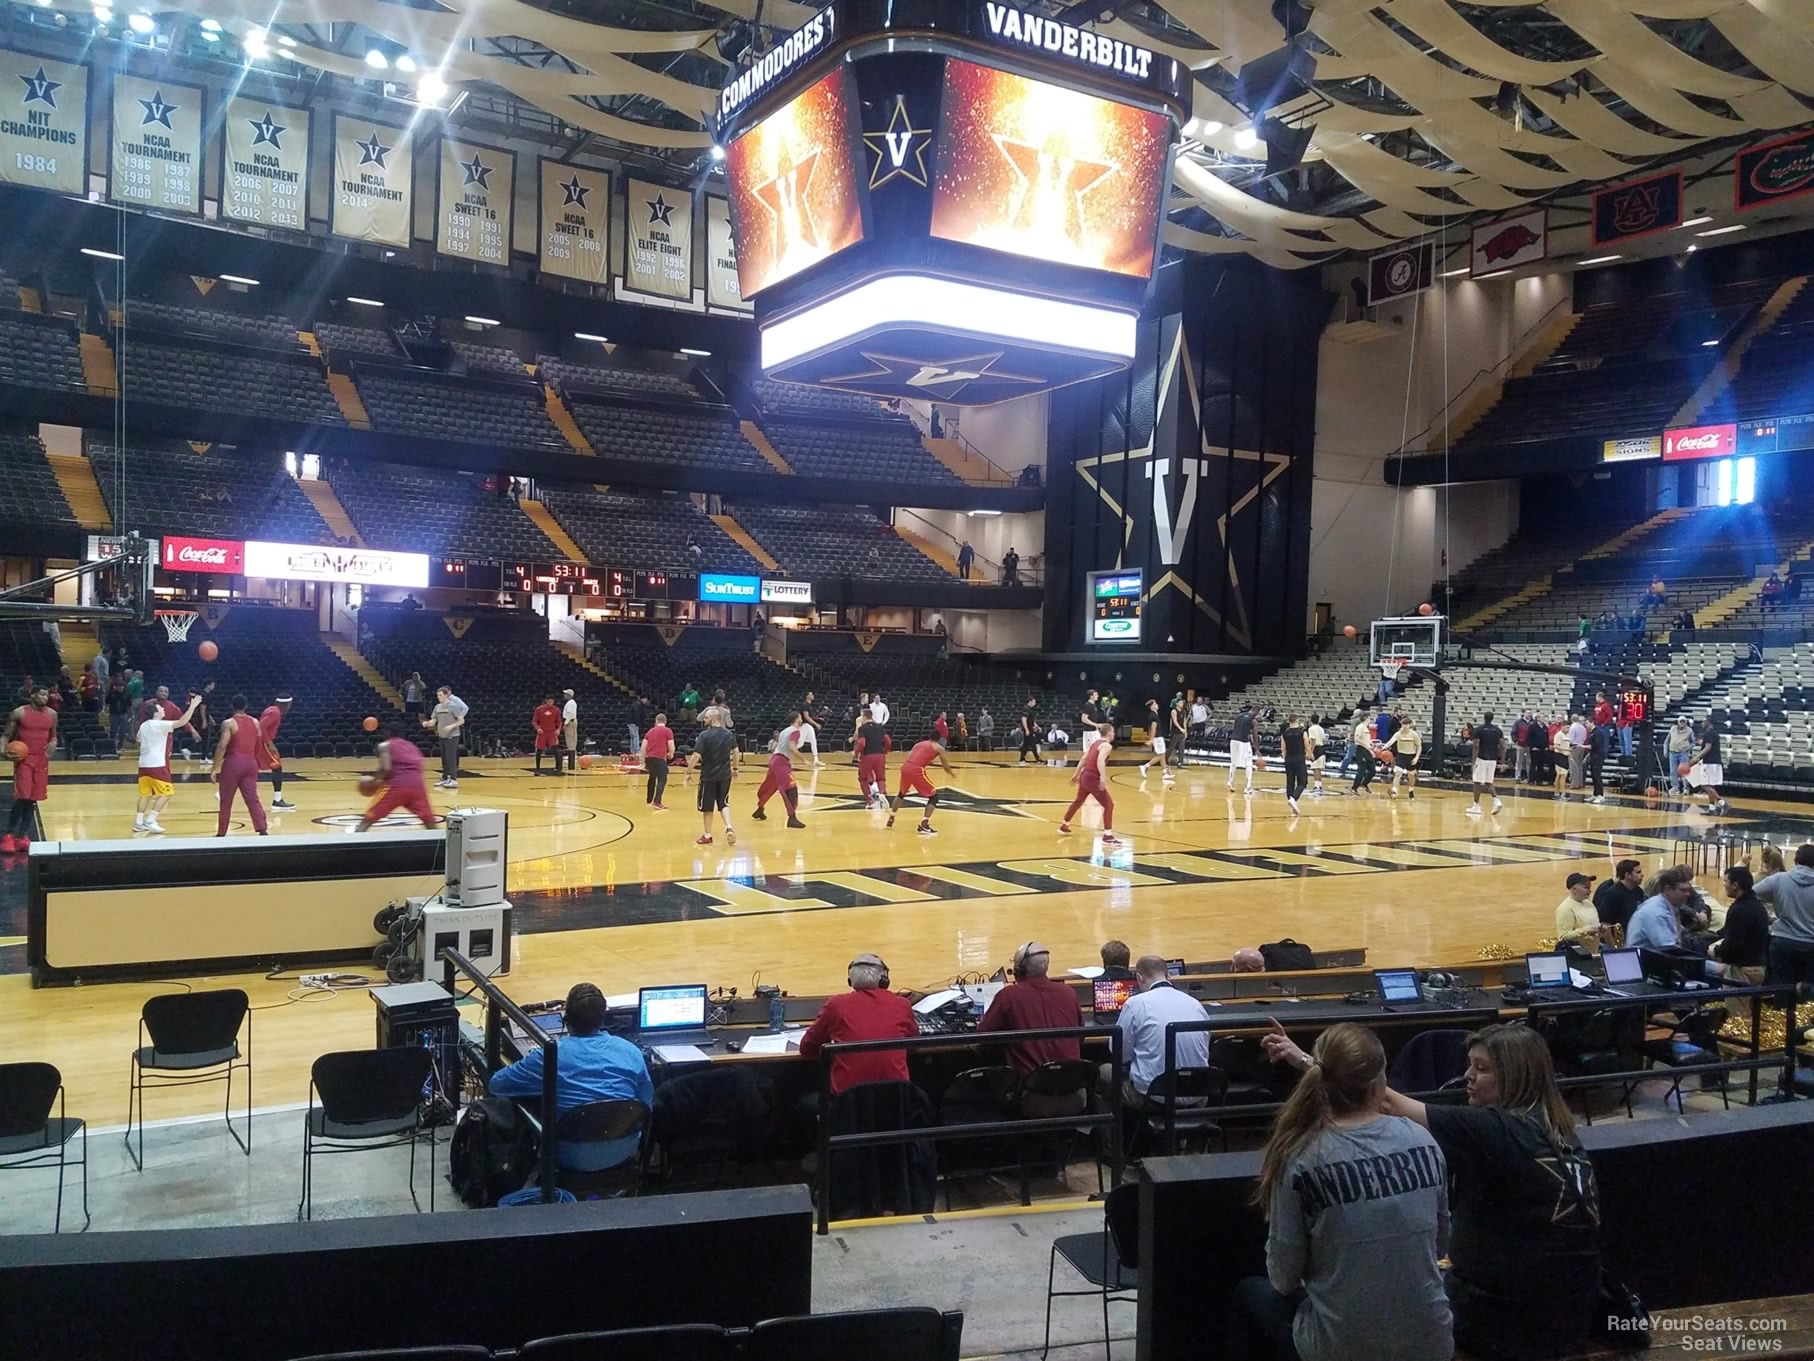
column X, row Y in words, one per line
column 609, row 891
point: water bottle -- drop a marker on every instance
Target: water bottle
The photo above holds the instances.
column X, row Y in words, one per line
column 777, row 1014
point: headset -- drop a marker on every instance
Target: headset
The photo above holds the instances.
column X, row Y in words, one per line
column 1020, row 959
column 874, row 960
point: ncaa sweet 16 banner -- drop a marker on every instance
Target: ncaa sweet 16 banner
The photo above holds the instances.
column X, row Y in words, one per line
column 721, row 288
column 374, row 182
column 265, row 151
column 478, row 189
column 43, row 123
column 575, row 212
column 658, row 251
column 155, row 151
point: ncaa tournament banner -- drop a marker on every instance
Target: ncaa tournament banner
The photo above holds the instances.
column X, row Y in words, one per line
column 374, row 182
column 721, row 257
column 1509, row 242
column 573, row 222
column 477, row 191
column 1776, row 170
column 658, row 250
column 155, row 148
column 265, row 164
column 1627, row 211
column 43, row 123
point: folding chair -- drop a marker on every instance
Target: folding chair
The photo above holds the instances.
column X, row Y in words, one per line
column 194, row 1039
column 30, row 1136
column 370, row 1099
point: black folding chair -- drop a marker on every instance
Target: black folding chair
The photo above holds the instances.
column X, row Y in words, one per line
column 1187, row 1094
column 1109, row 1260
column 675, row 1342
column 1050, row 1091
column 370, row 1099
column 603, row 1122
column 30, row 1136
column 907, row 1334
column 974, row 1096
column 194, row 1038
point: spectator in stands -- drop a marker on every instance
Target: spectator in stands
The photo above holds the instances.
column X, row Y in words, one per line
column 1740, row 953
column 1770, row 860
column 966, row 555
column 1521, row 754
column 1199, row 718
column 869, row 1011
column 590, row 1065
column 1658, row 593
column 1791, row 893
column 1037, row 1001
column 103, row 669
column 639, row 719
column 1577, row 752
column 415, row 691
column 1584, row 631
column 1560, row 759
column 91, row 689
column 1676, row 748
column 448, row 719
column 941, row 729
column 1143, row 1021
column 1773, row 593
column 1115, row 961
column 1682, row 619
column 689, row 702
column 1010, row 567
column 1657, row 923
column 985, row 729
column 1578, row 924
column 1618, row 897
column 937, row 422
column 1599, row 747
column 119, row 710
column 1348, row 753
column 1348, row 1277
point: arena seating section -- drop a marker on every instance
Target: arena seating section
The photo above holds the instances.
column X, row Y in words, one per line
column 222, row 493
column 29, row 493
column 273, row 333
column 670, row 435
column 39, row 351
column 238, row 378
column 491, row 358
column 818, row 542
column 884, row 450
column 1777, row 376
column 457, row 406
column 338, row 340
column 797, row 399
column 435, row 513
column 1766, row 711
column 916, row 688
column 566, row 374
column 649, row 532
column 26, row 649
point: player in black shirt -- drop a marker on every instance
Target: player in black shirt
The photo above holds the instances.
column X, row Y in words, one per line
column 1706, row 773
column 1029, row 733
column 1489, row 745
column 1090, row 718
column 1240, row 746
column 1297, row 761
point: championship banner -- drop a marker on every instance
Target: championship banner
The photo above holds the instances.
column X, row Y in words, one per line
column 1509, row 242
column 1773, row 171
column 155, row 151
column 43, row 123
column 721, row 256
column 573, row 216
column 264, row 176
column 374, row 182
column 473, row 203
column 658, row 254
column 1631, row 210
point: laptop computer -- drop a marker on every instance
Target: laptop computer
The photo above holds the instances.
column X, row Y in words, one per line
column 672, row 1014
column 1174, row 968
column 1622, row 966
column 1110, row 995
column 1547, row 972
column 1398, row 985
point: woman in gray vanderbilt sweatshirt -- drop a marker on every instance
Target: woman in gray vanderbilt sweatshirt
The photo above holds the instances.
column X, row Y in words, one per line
column 1357, row 1203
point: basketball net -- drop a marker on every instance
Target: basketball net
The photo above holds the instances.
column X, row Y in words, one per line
column 177, row 624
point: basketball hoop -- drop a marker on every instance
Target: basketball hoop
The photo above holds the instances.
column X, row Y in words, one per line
column 176, row 623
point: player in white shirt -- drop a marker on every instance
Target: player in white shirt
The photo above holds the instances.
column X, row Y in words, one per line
column 570, row 729
column 878, row 711
column 1315, row 737
column 155, row 787
column 1155, row 730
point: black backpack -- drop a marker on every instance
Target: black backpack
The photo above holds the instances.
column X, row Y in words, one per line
column 1283, row 956
column 493, row 1152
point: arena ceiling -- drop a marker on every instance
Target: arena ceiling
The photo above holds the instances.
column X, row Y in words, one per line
column 1388, row 119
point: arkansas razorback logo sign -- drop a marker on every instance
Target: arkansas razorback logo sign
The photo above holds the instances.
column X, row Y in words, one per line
column 1509, row 242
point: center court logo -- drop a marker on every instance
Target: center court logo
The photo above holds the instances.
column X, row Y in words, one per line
column 352, row 820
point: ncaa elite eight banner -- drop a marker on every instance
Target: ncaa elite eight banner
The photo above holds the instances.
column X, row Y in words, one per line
column 43, row 123
column 265, row 160
column 374, row 182
column 658, row 252
column 155, row 151
column 573, row 217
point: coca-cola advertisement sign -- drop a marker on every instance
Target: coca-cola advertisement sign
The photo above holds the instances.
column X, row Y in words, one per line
column 1700, row 441
column 204, row 555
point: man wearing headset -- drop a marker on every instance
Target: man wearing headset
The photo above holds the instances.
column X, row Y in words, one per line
column 1037, row 1001
column 867, row 1012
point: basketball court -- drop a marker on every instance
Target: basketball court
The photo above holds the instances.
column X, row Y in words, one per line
column 606, row 890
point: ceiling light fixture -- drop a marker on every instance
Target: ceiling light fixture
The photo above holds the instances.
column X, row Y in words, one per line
column 240, row 279
column 430, row 88
column 1706, row 343
column 701, row 354
column 210, row 25
column 1694, row 222
column 376, row 59
column 587, row 335
column 484, row 321
column 102, row 254
column 717, row 152
column 256, row 42
column 141, row 23
column 1601, row 260
column 406, row 64
column 1246, row 139
column 1451, row 273
column 285, row 40
column 1722, row 231
column 365, row 302
column 1498, row 273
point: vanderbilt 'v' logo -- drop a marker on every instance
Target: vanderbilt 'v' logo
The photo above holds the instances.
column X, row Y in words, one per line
column 898, row 146
column 1172, row 539
column 936, row 375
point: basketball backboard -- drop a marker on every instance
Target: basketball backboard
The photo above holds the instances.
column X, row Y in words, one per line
column 1415, row 638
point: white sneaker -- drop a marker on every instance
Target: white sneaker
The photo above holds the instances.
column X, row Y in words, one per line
column 1293, row 803
column 1498, row 804
column 1474, row 809
column 152, row 826
column 138, row 824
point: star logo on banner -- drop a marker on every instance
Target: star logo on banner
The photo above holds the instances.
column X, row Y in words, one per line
column 1174, row 458
column 1052, row 185
column 895, row 144
column 941, row 380
column 785, row 199
column 659, row 210
column 266, row 131
column 157, row 111
column 477, row 172
column 41, row 89
column 575, row 192
column 372, row 151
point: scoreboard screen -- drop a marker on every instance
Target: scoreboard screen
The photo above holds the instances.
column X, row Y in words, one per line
column 1115, row 599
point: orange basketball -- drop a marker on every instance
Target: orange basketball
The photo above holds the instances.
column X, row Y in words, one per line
column 1259, row 764
column 208, row 649
column 370, row 724
column 17, row 751
column 368, row 785
column 585, row 761
column 1653, row 793
column 1349, row 631
column 1426, row 608
column 1684, row 769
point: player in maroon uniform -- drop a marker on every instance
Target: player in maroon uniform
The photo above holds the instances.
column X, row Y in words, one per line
column 913, row 778
column 35, row 724
column 236, row 766
column 546, row 720
column 1092, row 783
column 780, row 777
column 873, row 746
column 269, row 758
column 400, row 780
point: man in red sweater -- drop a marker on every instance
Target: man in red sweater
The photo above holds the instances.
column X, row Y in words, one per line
column 1037, row 1001
column 867, row 1012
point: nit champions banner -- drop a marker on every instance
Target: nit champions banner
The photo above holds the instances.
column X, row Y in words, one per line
column 721, row 257
column 477, row 191
column 574, row 212
column 265, row 164
column 658, row 254
column 374, row 182
column 155, row 148
column 43, row 123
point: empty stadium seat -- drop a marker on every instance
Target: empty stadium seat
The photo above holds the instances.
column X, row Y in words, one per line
column 653, row 533
column 883, row 451
column 455, row 407
column 242, row 381
column 338, row 339
column 436, row 513
column 29, row 492
column 39, row 351
column 816, row 542
column 220, row 493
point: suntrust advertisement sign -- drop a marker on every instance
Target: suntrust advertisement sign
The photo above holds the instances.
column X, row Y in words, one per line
column 1700, row 441
column 725, row 589
column 204, row 555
